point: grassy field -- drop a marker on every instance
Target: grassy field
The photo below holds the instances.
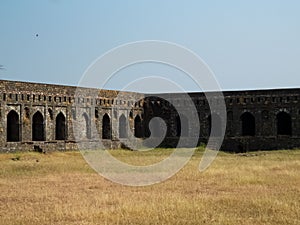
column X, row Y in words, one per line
column 60, row 188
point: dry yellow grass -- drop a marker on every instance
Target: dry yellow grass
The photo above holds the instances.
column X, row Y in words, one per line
column 60, row 188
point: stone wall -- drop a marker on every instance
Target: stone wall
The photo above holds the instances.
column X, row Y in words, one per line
column 55, row 117
column 82, row 109
column 258, row 119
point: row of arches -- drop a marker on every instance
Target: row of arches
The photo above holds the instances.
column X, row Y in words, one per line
column 38, row 127
column 247, row 119
column 123, row 127
column 106, row 127
column 248, row 124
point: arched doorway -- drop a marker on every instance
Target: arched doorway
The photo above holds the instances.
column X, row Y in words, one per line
column 284, row 124
column 248, row 124
column 138, row 127
column 13, row 126
column 106, row 128
column 122, row 127
column 60, row 128
column 38, row 133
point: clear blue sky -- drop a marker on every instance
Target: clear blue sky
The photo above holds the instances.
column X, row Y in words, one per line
column 248, row 44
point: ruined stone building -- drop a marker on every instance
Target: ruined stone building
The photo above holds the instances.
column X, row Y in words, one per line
column 42, row 116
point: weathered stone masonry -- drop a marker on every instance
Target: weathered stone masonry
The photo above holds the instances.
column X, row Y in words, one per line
column 257, row 119
column 42, row 116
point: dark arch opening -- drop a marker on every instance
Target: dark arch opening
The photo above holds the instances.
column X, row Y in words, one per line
column 87, row 126
column 38, row 127
column 248, row 124
column 13, row 126
column 284, row 124
column 138, row 131
column 60, row 127
column 122, row 127
column 217, row 131
column 182, row 126
column 50, row 113
column 96, row 113
column 106, row 129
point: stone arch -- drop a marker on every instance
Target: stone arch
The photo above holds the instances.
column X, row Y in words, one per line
column 96, row 113
column 131, row 114
column 38, row 129
column 182, row 126
column 60, row 127
column 138, row 127
column 50, row 113
column 217, row 131
column 13, row 126
column 106, row 127
column 122, row 127
column 284, row 124
column 248, row 124
column 86, row 127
